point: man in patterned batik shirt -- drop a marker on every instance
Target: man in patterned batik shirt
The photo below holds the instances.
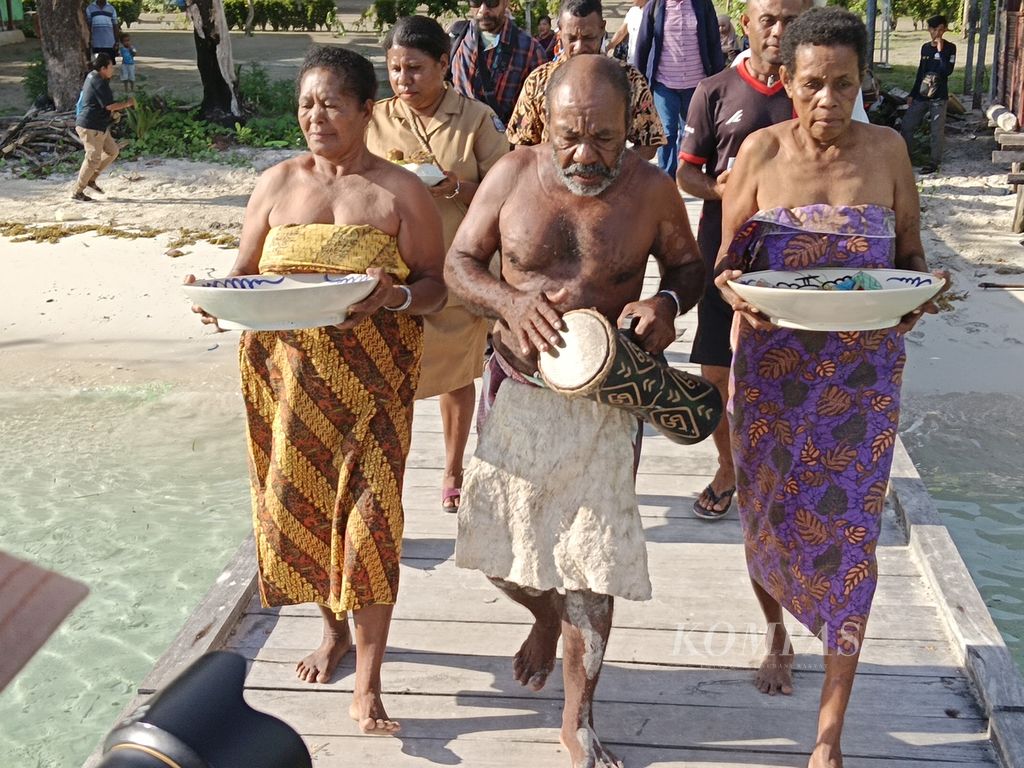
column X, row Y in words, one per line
column 581, row 29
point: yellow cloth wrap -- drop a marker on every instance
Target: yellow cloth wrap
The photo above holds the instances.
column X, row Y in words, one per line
column 329, row 418
column 331, row 248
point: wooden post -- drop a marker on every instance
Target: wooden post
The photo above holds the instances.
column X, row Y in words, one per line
column 997, row 33
column 972, row 31
column 979, row 75
column 872, row 15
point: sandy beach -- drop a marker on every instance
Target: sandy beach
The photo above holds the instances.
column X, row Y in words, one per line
column 92, row 308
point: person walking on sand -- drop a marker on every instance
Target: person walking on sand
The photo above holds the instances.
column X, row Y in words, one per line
column 92, row 124
column 930, row 94
column 549, row 510
column 726, row 108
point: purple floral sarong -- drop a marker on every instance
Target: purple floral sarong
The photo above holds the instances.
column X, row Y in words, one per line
column 813, row 420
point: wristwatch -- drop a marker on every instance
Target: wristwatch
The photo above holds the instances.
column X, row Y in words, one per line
column 674, row 296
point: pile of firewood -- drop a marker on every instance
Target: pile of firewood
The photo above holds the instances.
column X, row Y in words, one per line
column 39, row 139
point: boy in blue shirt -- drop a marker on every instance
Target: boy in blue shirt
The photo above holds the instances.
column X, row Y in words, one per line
column 127, row 63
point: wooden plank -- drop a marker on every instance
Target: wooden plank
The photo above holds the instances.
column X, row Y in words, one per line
column 503, row 720
column 483, row 676
column 1007, row 156
column 212, row 620
column 715, row 604
column 1005, row 139
column 331, row 751
column 33, row 603
column 1015, row 178
column 977, row 641
column 434, row 540
column 288, row 638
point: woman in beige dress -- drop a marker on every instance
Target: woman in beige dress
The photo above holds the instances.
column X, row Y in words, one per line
column 426, row 120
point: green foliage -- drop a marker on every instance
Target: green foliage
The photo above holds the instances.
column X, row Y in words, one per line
column 35, row 81
column 157, row 127
column 540, row 8
column 281, row 14
column 387, row 12
column 128, row 11
column 163, row 128
column 271, row 132
column 262, row 95
column 914, row 9
column 158, row 6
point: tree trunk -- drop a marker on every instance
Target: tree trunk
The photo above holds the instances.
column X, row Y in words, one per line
column 65, row 44
column 214, row 60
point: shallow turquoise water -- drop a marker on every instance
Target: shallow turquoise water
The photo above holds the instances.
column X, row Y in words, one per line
column 141, row 493
column 968, row 450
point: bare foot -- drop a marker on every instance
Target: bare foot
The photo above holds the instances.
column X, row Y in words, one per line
column 536, row 657
column 586, row 751
column 368, row 710
column 825, row 756
column 318, row 666
column 775, row 674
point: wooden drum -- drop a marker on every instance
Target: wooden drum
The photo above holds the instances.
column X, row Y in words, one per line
column 604, row 364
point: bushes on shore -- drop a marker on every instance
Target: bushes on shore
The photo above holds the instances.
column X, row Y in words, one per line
column 281, row 14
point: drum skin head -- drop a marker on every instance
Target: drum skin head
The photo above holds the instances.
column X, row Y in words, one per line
column 579, row 365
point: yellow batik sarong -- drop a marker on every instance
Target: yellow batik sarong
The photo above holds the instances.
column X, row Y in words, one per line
column 329, row 422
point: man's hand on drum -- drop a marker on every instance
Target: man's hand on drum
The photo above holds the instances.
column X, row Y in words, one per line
column 655, row 327
column 747, row 311
column 533, row 319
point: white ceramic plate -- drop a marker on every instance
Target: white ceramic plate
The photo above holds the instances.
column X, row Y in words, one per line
column 811, row 300
column 429, row 173
column 280, row 302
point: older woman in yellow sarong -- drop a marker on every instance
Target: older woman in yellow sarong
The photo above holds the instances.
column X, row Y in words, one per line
column 330, row 409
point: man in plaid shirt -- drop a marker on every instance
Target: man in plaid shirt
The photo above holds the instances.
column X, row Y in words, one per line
column 494, row 57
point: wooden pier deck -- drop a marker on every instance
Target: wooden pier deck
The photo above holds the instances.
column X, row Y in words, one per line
column 936, row 686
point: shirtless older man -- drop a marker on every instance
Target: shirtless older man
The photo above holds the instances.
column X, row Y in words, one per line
column 549, row 511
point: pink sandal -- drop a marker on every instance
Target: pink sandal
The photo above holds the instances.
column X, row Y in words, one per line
column 451, row 493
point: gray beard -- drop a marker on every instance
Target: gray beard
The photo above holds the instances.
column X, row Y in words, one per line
column 610, row 175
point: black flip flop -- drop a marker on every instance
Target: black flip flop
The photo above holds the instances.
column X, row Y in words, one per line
column 716, row 499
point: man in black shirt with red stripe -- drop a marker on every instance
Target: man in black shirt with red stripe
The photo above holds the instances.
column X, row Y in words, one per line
column 726, row 108
column 930, row 93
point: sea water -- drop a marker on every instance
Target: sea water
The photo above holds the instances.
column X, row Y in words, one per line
column 142, row 494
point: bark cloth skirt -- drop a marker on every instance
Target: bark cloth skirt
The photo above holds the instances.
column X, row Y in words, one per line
column 329, row 416
column 813, row 418
column 549, row 498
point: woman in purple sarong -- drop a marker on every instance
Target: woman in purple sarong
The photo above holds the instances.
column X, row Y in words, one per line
column 813, row 414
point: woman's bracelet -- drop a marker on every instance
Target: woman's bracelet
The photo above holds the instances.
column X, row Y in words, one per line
column 458, row 188
column 405, row 304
